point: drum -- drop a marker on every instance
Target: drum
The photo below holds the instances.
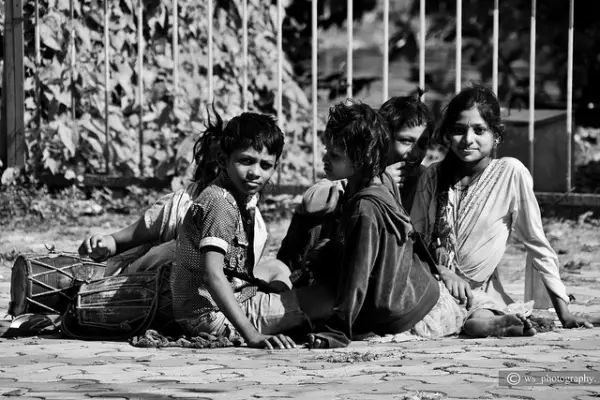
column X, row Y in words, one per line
column 121, row 306
column 45, row 283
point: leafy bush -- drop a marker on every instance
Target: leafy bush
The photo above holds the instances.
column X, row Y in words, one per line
column 64, row 107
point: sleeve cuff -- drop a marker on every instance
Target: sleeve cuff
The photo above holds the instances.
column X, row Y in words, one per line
column 215, row 242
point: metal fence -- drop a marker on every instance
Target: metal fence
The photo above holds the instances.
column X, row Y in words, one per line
column 13, row 124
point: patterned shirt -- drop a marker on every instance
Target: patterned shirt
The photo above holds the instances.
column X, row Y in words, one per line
column 215, row 219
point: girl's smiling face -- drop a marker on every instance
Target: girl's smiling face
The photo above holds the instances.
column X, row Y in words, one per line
column 470, row 137
column 249, row 170
column 337, row 163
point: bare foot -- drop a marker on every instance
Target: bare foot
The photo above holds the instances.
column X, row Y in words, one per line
column 528, row 329
column 499, row 326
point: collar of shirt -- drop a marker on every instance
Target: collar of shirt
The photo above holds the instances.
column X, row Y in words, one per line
column 245, row 202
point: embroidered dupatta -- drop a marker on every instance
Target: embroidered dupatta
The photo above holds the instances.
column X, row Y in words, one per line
column 470, row 235
column 457, row 215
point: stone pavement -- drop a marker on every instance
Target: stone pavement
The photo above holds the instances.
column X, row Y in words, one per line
column 45, row 368
column 50, row 368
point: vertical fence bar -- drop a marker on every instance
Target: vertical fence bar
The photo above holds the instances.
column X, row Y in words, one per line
column 279, row 96
column 532, row 87
column 349, row 66
column 73, row 57
column 245, row 55
column 175, row 54
column 140, row 44
column 106, row 86
column 495, row 47
column 19, row 98
column 7, row 129
column 5, row 124
column 496, row 40
column 458, row 82
column 315, row 76
column 210, row 52
column 386, row 48
column 422, row 34
column 570, row 93
column 12, row 131
column 38, row 64
column 4, row 112
column 280, row 62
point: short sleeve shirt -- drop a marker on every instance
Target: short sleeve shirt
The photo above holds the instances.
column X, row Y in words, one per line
column 215, row 219
column 166, row 215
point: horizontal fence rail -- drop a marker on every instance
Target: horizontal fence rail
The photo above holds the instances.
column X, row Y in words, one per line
column 12, row 139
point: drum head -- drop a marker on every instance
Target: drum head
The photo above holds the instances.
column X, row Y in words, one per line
column 45, row 283
column 20, row 287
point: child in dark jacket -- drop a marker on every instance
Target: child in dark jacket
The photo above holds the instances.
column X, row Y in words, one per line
column 409, row 124
column 383, row 284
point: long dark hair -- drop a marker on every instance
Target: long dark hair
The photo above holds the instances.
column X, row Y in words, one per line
column 241, row 132
column 443, row 239
column 486, row 102
column 480, row 97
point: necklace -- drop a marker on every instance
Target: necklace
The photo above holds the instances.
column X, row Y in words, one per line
column 463, row 190
column 458, row 186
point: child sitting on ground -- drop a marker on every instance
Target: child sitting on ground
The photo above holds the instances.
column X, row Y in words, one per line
column 383, row 285
column 221, row 240
column 409, row 123
column 149, row 243
column 468, row 206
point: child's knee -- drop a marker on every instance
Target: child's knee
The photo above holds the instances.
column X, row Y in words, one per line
column 272, row 270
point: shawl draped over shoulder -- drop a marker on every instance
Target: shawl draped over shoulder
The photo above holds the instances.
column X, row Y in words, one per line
column 500, row 204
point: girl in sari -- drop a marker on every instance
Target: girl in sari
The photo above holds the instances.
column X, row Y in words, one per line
column 467, row 207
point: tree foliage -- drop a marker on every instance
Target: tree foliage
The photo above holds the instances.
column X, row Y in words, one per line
column 64, row 107
column 552, row 22
column 298, row 25
column 65, row 93
column 477, row 31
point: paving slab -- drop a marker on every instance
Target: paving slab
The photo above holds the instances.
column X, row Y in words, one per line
column 452, row 368
column 449, row 369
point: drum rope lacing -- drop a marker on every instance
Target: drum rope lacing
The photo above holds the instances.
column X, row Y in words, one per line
column 160, row 274
column 52, row 269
